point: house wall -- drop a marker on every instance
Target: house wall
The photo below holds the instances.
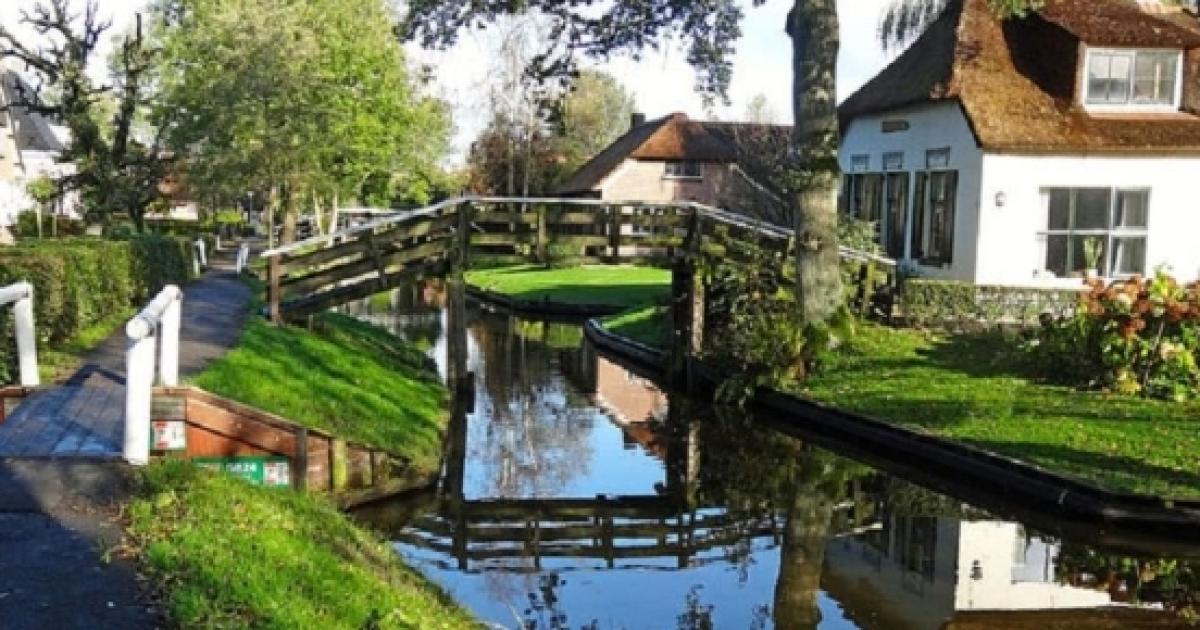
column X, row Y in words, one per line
column 644, row 180
column 930, row 127
column 1009, row 251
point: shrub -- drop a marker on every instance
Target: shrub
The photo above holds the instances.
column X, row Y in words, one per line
column 1135, row 336
column 78, row 282
column 754, row 333
column 561, row 255
column 949, row 304
column 27, row 225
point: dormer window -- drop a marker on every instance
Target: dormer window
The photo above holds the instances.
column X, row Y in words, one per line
column 1135, row 79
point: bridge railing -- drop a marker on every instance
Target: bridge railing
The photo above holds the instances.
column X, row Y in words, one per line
column 156, row 327
column 20, row 295
column 310, row 275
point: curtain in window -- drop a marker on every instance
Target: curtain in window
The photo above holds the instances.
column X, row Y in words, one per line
column 896, row 214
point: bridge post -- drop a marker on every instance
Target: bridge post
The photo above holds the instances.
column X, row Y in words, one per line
column 462, row 257
column 274, row 278
column 614, row 234
column 687, row 323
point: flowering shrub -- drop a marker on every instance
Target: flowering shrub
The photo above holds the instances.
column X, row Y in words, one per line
column 1135, row 336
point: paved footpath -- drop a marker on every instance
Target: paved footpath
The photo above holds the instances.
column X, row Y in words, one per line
column 62, row 483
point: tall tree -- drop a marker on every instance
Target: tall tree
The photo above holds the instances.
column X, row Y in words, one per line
column 710, row 28
column 117, row 169
column 303, row 102
column 593, row 113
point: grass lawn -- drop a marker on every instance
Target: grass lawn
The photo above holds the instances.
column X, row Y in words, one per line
column 230, row 555
column 645, row 324
column 976, row 389
column 609, row 285
column 346, row 377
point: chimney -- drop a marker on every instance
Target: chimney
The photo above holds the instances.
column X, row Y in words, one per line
column 636, row 119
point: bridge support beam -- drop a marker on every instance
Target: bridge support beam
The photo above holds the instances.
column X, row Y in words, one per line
column 687, row 325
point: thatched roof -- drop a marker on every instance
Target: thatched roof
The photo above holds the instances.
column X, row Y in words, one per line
column 1016, row 79
column 673, row 137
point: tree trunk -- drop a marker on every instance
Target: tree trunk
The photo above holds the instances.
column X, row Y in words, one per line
column 813, row 27
column 288, row 235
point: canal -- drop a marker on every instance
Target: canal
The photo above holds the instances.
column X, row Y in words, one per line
column 576, row 493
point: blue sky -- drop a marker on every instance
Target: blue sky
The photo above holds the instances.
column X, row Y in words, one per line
column 661, row 81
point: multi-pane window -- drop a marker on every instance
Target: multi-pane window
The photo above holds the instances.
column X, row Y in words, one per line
column 1132, row 77
column 1101, row 230
column 933, row 217
column 683, row 168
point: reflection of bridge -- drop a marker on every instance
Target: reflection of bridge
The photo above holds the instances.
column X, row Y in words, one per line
column 607, row 529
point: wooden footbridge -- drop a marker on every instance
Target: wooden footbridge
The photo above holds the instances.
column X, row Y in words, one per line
column 312, row 275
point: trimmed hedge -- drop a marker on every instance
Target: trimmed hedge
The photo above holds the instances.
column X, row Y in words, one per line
column 942, row 303
column 79, row 281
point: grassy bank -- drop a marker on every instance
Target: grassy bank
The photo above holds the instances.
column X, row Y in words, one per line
column 648, row 324
column 231, row 555
column 977, row 389
column 346, row 377
column 621, row 286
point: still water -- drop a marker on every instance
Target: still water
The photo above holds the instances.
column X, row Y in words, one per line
column 577, row 494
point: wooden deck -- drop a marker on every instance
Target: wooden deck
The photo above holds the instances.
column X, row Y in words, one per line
column 82, row 418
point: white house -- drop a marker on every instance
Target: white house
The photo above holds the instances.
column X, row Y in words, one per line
column 1026, row 152
column 29, row 147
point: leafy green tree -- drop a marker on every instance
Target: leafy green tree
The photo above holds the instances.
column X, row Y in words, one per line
column 117, row 166
column 598, row 29
column 595, row 112
column 303, row 102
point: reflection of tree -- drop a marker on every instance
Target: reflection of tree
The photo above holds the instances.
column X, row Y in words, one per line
column 535, row 439
column 696, row 615
column 544, row 609
column 1175, row 584
column 819, row 482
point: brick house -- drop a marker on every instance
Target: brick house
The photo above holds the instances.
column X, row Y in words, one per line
column 671, row 158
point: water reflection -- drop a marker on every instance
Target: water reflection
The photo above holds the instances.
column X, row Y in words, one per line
column 575, row 494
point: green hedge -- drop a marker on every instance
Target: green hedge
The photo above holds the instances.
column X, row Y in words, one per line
column 941, row 303
column 79, row 281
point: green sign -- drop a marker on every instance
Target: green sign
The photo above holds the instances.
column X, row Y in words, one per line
column 262, row 471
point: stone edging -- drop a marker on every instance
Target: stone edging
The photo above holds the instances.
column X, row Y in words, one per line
column 983, row 471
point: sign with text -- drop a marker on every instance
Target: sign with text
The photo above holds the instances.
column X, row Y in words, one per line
column 168, row 435
column 262, row 471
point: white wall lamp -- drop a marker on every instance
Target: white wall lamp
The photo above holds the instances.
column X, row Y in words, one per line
column 1001, row 199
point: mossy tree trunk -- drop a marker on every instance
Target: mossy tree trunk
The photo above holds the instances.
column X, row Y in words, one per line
column 813, row 27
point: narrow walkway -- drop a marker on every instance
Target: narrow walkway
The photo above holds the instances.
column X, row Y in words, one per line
column 62, row 483
column 83, row 417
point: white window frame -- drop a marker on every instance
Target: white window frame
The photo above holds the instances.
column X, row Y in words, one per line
column 1109, row 234
column 683, row 164
column 1130, row 106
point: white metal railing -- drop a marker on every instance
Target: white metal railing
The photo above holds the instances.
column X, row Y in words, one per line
column 157, row 326
column 200, row 261
column 243, row 258
column 20, row 295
